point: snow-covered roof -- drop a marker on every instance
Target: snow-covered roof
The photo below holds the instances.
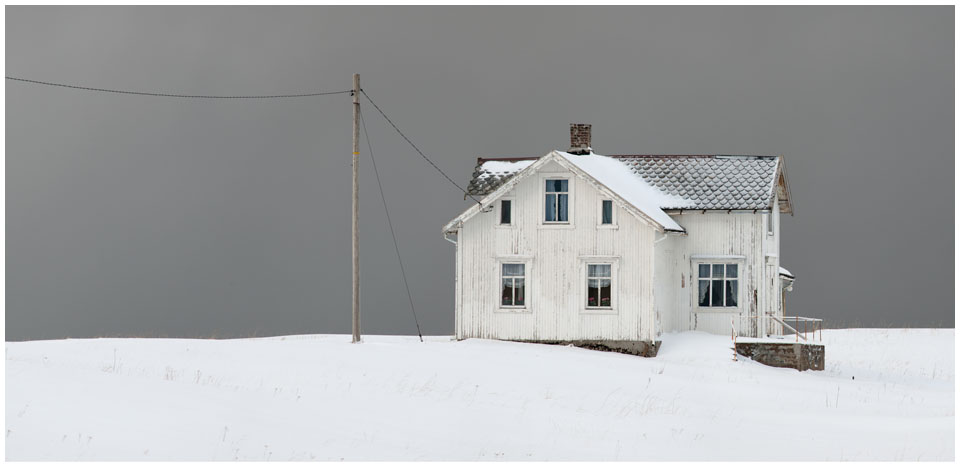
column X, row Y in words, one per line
column 784, row 272
column 625, row 185
column 628, row 185
column 718, row 182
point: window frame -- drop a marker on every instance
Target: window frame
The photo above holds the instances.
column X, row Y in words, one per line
column 571, row 197
column 583, row 295
column 513, row 212
column 695, row 282
column 613, row 214
column 527, row 262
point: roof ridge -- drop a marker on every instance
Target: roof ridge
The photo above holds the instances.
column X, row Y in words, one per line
column 481, row 160
column 660, row 155
column 507, row 159
column 689, row 155
column 712, row 181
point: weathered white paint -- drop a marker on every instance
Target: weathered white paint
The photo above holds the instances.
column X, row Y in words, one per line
column 739, row 238
column 555, row 256
column 654, row 280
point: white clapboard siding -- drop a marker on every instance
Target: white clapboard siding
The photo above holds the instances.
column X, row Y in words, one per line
column 556, row 284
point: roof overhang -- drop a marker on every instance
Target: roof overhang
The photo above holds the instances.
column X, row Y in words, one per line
column 786, row 279
column 783, row 188
column 552, row 156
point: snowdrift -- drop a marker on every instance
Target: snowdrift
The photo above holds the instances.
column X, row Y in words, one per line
column 886, row 394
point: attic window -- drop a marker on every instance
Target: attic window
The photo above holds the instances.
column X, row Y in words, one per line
column 606, row 212
column 505, row 212
column 556, row 200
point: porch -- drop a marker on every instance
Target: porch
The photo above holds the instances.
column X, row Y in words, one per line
column 805, row 351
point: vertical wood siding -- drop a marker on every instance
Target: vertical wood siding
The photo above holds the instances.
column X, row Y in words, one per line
column 654, row 285
column 719, row 234
column 556, row 283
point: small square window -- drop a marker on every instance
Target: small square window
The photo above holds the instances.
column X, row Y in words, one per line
column 513, row 269
column 598, row 270
column 557, row 186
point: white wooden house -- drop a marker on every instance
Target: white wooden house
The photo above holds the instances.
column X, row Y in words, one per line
column 616, row 250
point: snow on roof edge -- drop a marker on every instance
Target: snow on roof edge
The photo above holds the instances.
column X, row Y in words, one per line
column 507, row 166
column 616, row 176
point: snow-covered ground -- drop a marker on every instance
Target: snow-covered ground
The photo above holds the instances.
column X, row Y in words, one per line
column 886, row 394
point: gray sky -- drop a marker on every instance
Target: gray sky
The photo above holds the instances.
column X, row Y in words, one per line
column 161, row 217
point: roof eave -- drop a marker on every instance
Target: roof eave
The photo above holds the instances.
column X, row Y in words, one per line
column 723, row 210
column 496, row 193
column 786, row 206
column 523, row 173
column 636, row 211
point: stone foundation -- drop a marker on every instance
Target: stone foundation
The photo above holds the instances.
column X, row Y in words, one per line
column 639, row 348
column 800, row 356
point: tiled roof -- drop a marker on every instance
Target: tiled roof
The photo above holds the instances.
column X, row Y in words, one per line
column 712, row 182
column 706, row 181
column 489, row 174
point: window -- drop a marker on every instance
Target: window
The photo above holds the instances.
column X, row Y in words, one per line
column 606, row 212
column 513, row 291
column 717, row 285
column 598, row 286
column 557, row 197
column 770, row 223
column 505, row 212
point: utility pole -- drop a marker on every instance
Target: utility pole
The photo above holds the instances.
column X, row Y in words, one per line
column 356, row 224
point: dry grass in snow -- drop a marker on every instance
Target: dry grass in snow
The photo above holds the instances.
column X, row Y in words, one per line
column 886, row 394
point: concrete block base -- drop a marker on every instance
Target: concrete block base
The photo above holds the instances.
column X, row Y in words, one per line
column 797, row 355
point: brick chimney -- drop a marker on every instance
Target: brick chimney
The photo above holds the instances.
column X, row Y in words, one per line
column 580, row 139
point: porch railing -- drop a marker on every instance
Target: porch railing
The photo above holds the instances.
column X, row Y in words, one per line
column 803, row 327
column 813, row 324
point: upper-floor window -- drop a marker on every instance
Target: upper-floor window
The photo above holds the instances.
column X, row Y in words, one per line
column 556, row 200
column 606, row 212
column 513, row 290
column 770, row 223
column 506, row 213
column 717, row 284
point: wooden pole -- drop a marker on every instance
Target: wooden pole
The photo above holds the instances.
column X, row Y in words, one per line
column 356, row 223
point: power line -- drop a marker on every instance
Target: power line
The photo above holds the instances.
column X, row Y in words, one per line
column 415, row 146
column 390, row 223
column 186, row 96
